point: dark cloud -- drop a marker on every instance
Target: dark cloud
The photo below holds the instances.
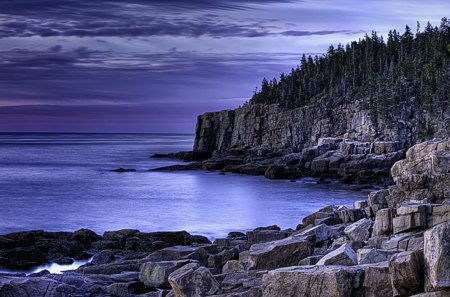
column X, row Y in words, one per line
column 128, row 18
column 84, row 76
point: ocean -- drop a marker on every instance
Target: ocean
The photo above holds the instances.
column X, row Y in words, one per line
column 64, row 182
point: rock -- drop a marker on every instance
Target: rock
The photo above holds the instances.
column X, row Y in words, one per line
column 375, row 276
column 360, row 230
column 156, row 274
column 17, row 287
column 409, row 222
column 85, row 237
column 372, row 255
column 385, row 147
column 125, row 289
column 436, row 254
column 322, row 232
column 407, row 273
column 360, row 204
column 259, row 236
column 383, row 224
column 121, row 170
column 325, row 212
column 444, row 293
column 440, row 214
column 218, row 260
column 351, row 215
column 344, row 255
column 280, row 253
column 424, row 173
column 276, row 172
column 311, row 260
column 233, row 282
column 193, row 280
column 377, row 200
column 232, row 266
column 171, row 253
column 314, row 281
column 402, row 241
column 329, row 221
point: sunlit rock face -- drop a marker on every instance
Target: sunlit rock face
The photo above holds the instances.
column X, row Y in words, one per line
column 423, row 174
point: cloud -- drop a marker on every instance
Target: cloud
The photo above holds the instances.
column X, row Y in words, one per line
column 129, row 18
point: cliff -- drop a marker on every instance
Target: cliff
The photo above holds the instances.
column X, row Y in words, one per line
column 272, row 128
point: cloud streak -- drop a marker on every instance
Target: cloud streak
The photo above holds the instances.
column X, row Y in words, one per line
column 102, row 65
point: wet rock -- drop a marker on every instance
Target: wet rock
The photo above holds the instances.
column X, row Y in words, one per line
column 121, row 170
column 85, row 237
column 193, row 280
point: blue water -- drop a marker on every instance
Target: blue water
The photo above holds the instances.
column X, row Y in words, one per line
column 63, row 182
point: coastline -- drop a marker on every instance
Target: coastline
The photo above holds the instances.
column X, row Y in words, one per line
column 400, row 234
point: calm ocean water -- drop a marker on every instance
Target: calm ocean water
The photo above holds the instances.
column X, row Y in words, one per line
column 63, row 182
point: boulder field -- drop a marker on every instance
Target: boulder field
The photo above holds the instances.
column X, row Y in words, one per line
column 394, row 243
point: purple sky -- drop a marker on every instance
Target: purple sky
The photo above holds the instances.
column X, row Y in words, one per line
column 153, row 66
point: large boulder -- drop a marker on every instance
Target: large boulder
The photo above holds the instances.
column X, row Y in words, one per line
column 407, row 273
column 424, row 173
column 280, row 253
column 436, row 254
column 193, row 280
column 313, row 281
column 156, row 274
column 360, row 230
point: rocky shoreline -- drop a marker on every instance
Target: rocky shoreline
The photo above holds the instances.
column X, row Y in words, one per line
column 350, row 162
column 395, row 243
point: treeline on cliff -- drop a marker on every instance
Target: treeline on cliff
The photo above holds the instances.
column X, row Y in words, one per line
column 383, row 75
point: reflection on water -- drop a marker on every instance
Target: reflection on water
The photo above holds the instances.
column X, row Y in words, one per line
column 53, row 268
column 63, row 182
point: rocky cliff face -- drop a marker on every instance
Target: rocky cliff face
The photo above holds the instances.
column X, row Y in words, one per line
column 272, row 128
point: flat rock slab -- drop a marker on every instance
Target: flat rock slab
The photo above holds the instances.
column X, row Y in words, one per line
column 276, row 254
column 313, row 281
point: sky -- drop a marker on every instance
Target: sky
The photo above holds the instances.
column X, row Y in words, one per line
column 154, row 65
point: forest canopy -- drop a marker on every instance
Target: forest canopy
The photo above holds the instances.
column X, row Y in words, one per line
column 409, row 67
